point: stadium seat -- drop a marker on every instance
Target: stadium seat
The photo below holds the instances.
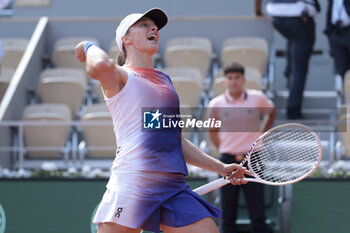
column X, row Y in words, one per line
column 63, row 85
column 187, row 83
column 248, row 51
column 64, row 52
column 194, row 52
column 46, row 140
column 13, row 49
column 5, row 78
column 100, row 141
column 347, row 87
column 253, row 80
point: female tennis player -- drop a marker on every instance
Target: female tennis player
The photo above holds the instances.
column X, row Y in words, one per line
column 147, row 189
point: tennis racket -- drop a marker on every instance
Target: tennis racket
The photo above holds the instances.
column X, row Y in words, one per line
column 282, row 155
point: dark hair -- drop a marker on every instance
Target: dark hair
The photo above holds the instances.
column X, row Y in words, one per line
column 121, row 59
column 234, row 67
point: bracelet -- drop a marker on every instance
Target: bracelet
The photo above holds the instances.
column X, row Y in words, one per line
column 88, row 44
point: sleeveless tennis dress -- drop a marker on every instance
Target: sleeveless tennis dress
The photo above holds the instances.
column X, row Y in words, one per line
column 147, row 185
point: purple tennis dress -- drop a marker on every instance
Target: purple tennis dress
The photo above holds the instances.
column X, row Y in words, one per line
column 147, row 185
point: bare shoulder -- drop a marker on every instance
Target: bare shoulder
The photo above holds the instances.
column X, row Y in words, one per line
column 114, row 82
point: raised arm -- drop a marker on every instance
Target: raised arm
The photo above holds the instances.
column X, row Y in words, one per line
column 102, row 68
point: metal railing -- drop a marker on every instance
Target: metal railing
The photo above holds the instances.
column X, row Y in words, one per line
column 74, row 149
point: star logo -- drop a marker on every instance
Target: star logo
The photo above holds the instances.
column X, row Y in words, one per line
column 151, row 120
column 156, row 115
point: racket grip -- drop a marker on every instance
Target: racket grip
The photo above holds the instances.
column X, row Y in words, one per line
column 211, row 186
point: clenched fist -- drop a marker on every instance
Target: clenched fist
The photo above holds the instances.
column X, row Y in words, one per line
column 79, row 52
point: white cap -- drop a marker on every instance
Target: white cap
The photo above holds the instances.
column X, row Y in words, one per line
column 157, row 15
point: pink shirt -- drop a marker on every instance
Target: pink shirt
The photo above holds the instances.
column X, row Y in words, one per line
column 240, row 119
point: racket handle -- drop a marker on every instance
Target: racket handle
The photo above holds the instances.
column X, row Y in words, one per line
column 211, row 186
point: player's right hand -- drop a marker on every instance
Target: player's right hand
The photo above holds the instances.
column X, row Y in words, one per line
column 238, row 174
column 79, row 52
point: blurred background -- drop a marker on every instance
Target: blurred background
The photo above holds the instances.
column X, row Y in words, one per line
column 56, row 136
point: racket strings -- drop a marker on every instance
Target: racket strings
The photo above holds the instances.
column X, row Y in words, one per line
column 285, row 155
